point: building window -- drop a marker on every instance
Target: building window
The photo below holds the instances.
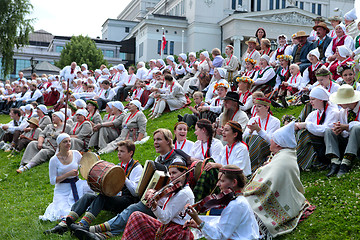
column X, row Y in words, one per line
column 271, row 7
column 21, row 64
column 240, row 2
column 283, row 3
column 302, row 5
column 233, row 4
column 313, row 7
column 172, row 48
column 109, row 53
column 59, row 48
column 166, row 48
column 277, row 4
column 159, row 47
column 258, row 5
column 297, row 3
column 141, row 49
column 127, row 29
column 319, row 9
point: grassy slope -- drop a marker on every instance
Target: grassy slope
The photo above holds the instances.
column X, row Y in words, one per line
column 24, row 197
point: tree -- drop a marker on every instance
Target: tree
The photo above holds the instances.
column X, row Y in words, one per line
column 14, row 30
column 81, row 50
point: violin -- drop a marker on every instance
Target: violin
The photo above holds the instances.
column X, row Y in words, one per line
column 168, row 189
column 220, row 200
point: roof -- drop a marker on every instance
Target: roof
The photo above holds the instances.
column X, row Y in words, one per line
column 44, row 66
column 40, row 36
column 97, row 40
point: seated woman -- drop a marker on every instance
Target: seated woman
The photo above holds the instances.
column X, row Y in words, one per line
column 342, row 55
column 94, row 116
column 282, row 73
column 38, row 152
column 283, row 49
column 347, row 73
column 275, row 192
column 244, row 85
column 341, row 39
column 169, row 211
column 174, row 97
column 255, row 95
column 133, row 127
column 264, row 79
column 44, row 120
column 137, row 92
column 81, row 131
column 219, row 75
column 63, row 173
column 68, row 115
column 310, row 137
column 235, row 152
column 29, row 111
column 231, row 64
column 259, row 131
column 237, row 220
column 265, row 46
column 293, row 84
column 212, row 111
column 180, row 141
column 250, row 68
column 110, row 128
column 309, row 73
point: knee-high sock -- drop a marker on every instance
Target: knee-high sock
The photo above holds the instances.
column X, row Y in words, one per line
column 87, row 219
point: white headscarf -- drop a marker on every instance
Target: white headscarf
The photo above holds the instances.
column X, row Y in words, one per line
column 315, row 52
column 61, row 137
column 351, row 15
column 285, row 136
column 205, row 53
column 344, row 51
column 183, row 56
column 60, row 115
column 320, row 93
column 222, row 72
column 137, row 103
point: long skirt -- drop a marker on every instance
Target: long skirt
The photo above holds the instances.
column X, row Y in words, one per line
column 141, row 226
column 259, row 150
column 206, row 182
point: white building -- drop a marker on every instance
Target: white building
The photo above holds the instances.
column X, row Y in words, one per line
column 191, row 25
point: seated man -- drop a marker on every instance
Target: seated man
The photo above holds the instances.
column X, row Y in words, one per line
column 92, row 204
column 275, row 192
column 301, row 50
column 105, row 94
column 163, row 144
column 342, row 141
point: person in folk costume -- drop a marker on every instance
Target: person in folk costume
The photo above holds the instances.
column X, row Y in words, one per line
column 313, row 36
column 128, row 83
column 63, row 173
column 115, row 226
column 323, row 40
column 235, row 152
column 201, row 66
column 357, row 42
column 283, row 49
column 110, row 128
column 105, row 94
column 38, row 152
column 237, row 220
column 219, row 75
column 309, row 73
column 310, row 135
column 153, row 68
column 174, row 97
column 259, row 34
column 81, row 131
column 191, row 119
column 44, row 119
column 282, row 74
column 275, row 192
column 137, row 92
column 251, row 52
column 170, row 60
column 245, row 96
column 214, row 109
column 347, row 73
column 265, row 77
column 231, row 64
column 334, row 21
column 255, row 95
column 93, row 204
column 350, row 23
column 133, row 126
column 141, row 71
column 259, row 131
column 160, row 64
column 69, row 72
column 154, row 87
column 301, row 50
column 344, row 133
column 343, row 55
column 94, row 116
column 217, row 62
column 190, row 69
column 266, row 47
column 69, row 119
column 180, row 70
column 293, row 84
column 340, row 40
column 250, row 68
column 180, row 141
column 29, row 111
column 26, row 137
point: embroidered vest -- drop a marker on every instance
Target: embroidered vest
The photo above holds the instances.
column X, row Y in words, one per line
column 131, row 166
column 312, row 76
column 339, row 43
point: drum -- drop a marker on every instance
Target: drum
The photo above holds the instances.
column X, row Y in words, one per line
column 106, row 178
column 87, row 161
column 195, row 173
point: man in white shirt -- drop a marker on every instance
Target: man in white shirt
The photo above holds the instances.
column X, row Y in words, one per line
column 34, row 95
column 10, row 132
column 141, row 71
column 69, row 72
column 105, row 95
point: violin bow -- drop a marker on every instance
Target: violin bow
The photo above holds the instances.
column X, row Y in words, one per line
column 66, row 103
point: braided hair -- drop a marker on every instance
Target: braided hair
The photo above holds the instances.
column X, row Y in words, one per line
column 206, row 124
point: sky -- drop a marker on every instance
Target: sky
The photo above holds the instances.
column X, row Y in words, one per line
column 74, row 17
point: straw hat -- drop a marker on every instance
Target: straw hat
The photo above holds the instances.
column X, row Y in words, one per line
column 34, row 121
column 335, row 18
column 253, row 40
column 323, row 25
column 301, row 34
column 345, row 95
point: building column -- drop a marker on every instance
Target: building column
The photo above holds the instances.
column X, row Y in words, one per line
column 237, row 45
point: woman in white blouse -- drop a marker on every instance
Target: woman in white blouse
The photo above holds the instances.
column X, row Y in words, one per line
column 310, row 137
column 259, row 131
column 237, row 220
column 169, row 211
column 244, row 85
column 63, row 173
column 235, row 152
column 180, row 141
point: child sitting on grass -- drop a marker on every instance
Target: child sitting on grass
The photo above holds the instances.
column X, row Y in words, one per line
column 191, row 119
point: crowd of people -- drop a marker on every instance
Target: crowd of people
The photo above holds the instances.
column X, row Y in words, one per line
column 57, row 118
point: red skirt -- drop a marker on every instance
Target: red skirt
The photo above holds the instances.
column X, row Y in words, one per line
column 141, row 226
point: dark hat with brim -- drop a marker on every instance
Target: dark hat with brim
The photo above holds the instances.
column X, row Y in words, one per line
column 323, row 25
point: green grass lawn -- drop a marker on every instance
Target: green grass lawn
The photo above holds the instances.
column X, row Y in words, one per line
column 24, row 197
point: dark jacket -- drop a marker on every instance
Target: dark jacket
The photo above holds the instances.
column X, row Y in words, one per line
column 327, row 41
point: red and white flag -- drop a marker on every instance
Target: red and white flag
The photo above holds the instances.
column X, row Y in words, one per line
column 163, row 41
